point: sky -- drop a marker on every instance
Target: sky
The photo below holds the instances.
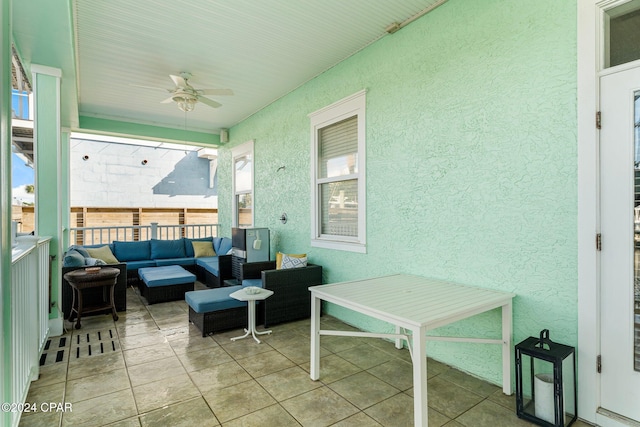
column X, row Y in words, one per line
column 21, row 175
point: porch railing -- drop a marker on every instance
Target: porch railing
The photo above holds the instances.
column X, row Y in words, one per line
column 130, row 233
column 30, row 273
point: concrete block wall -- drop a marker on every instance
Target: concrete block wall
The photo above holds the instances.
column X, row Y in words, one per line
column 106, row 174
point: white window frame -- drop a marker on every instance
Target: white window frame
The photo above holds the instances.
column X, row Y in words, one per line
column 240, row 151
column 353, row 105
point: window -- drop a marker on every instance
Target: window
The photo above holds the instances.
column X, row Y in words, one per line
column 243, row 185
column 338, row 174
column 622, row 39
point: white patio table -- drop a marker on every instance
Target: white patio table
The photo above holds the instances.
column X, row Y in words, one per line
column 414, row 305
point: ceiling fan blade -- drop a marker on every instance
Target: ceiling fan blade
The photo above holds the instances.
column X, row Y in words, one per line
column 168, row 100
column 150, row 87
column 179, row 81
column 209, row 102
column 217, row 92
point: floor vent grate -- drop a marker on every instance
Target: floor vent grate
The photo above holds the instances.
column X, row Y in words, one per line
column 87, row 344
column 53, row 351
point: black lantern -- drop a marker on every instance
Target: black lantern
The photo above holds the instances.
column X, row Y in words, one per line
column 546, row 393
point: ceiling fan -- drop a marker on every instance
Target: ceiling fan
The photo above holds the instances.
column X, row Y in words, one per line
column 186, row 96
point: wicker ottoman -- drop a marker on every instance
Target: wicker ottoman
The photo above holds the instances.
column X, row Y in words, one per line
column 213, row 310
column 168, row 283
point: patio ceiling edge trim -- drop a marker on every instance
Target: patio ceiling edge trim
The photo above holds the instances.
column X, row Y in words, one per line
column 148, row 132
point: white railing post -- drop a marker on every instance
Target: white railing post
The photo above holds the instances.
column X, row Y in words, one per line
column 107, row 234
column 44, row 274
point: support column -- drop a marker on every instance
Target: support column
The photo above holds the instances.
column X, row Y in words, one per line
column 65, row 209
column 48, row 195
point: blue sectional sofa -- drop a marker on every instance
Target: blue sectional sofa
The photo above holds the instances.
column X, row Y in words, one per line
column 210, row 270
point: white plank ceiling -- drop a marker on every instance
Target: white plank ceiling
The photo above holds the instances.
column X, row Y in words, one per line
column 261, row 49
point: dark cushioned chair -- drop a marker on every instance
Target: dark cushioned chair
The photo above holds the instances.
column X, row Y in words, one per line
column 291, row 299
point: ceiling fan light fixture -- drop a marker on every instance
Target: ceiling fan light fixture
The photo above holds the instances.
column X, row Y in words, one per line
column 186, row 96
column 185, row 103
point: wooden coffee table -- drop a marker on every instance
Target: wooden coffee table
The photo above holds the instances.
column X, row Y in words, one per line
column 105, row 277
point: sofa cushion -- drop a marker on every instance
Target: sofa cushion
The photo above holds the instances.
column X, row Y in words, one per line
column 188, row 245
column 209, row 300
column 167, row 249
column 203, row 249
column 166, row 276
column 103, row 253
column 132, row 251
column 222, row 245
column 73, row 258
column 210, row 264
column 134, row 265
column 175, row 261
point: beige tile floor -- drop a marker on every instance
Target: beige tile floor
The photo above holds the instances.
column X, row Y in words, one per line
column 153, row 368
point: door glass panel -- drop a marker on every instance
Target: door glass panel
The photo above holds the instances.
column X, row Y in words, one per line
column 622, row 38
column 636, row 216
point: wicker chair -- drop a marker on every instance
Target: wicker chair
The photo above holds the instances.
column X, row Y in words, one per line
column 291, row 299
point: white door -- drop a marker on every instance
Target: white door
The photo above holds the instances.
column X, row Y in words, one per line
column 619, row 151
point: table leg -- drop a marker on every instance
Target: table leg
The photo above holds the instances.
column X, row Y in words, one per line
column 420, row 409
column 315, row 337
column 507, row 313
column 79, row 312
column 246, row 334
column 399, row 342
column 251, row 323
column 113, row 302
column 73, row 304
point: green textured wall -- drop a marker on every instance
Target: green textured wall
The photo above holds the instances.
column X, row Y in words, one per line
column 471, row 164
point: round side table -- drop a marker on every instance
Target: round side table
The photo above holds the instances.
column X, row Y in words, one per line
column 251, row 299
column 105, row 277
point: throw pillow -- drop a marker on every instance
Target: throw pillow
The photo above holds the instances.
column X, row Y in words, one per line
column 80, row 249
column 279, row 258
column 103, row 253
column 203, row 249
column 188, row 245
column 94, row 261
column 73, row 258
column 293, row 262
